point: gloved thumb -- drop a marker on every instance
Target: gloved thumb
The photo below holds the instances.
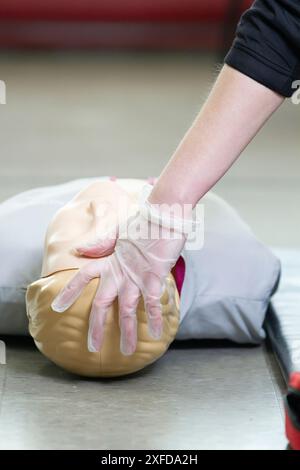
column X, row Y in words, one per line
column 99, row 247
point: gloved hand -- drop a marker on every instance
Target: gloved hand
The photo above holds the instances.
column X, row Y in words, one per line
column 147, row 247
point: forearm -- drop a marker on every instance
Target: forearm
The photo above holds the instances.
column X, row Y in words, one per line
column 235, row 110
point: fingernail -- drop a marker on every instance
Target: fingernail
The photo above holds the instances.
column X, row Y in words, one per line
column 57, row 307
column 94, row 340
column 85, row 246
column 91, row 347
column 126, row 347
column 128, row 340
column 155, row 331
column 76, row 251
column 91, row 244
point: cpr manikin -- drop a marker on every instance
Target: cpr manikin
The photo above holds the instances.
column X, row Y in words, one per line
column 63, row 337
column 224, row 288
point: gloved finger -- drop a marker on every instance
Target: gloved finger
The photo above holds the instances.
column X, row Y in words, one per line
column 73, row 289
column 129, row 295
column 105, row 296
column 101, row 246
column 153, row 307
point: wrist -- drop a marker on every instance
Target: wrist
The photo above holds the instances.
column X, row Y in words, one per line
column 174, row 215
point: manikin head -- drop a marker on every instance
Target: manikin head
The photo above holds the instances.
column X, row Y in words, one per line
column 63, row 337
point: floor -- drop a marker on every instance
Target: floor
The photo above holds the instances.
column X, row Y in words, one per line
column 74, row 115
column 196, row 397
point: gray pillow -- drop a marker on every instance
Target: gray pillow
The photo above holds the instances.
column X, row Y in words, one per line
column 227, row 286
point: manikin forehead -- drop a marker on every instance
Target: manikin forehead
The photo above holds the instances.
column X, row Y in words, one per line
column 92, row 212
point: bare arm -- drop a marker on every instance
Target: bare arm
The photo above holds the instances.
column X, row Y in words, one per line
column 234, row 112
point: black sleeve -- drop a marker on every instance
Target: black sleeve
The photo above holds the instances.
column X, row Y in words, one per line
column 267, row 44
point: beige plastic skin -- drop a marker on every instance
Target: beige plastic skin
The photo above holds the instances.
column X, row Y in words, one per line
column 63, row 337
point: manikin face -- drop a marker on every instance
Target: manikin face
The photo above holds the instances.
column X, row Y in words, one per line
column 91, row 214
column 63, row 337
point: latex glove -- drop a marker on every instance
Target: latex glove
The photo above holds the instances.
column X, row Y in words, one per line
column 138, row 265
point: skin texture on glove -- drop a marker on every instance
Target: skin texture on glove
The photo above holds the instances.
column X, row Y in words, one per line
column 63, row 337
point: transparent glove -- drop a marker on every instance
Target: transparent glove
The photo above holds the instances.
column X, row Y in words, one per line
column 147, row 247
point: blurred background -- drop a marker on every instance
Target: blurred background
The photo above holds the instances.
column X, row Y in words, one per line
column 109, row 87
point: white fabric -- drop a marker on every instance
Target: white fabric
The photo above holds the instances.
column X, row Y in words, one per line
column 227, row 284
